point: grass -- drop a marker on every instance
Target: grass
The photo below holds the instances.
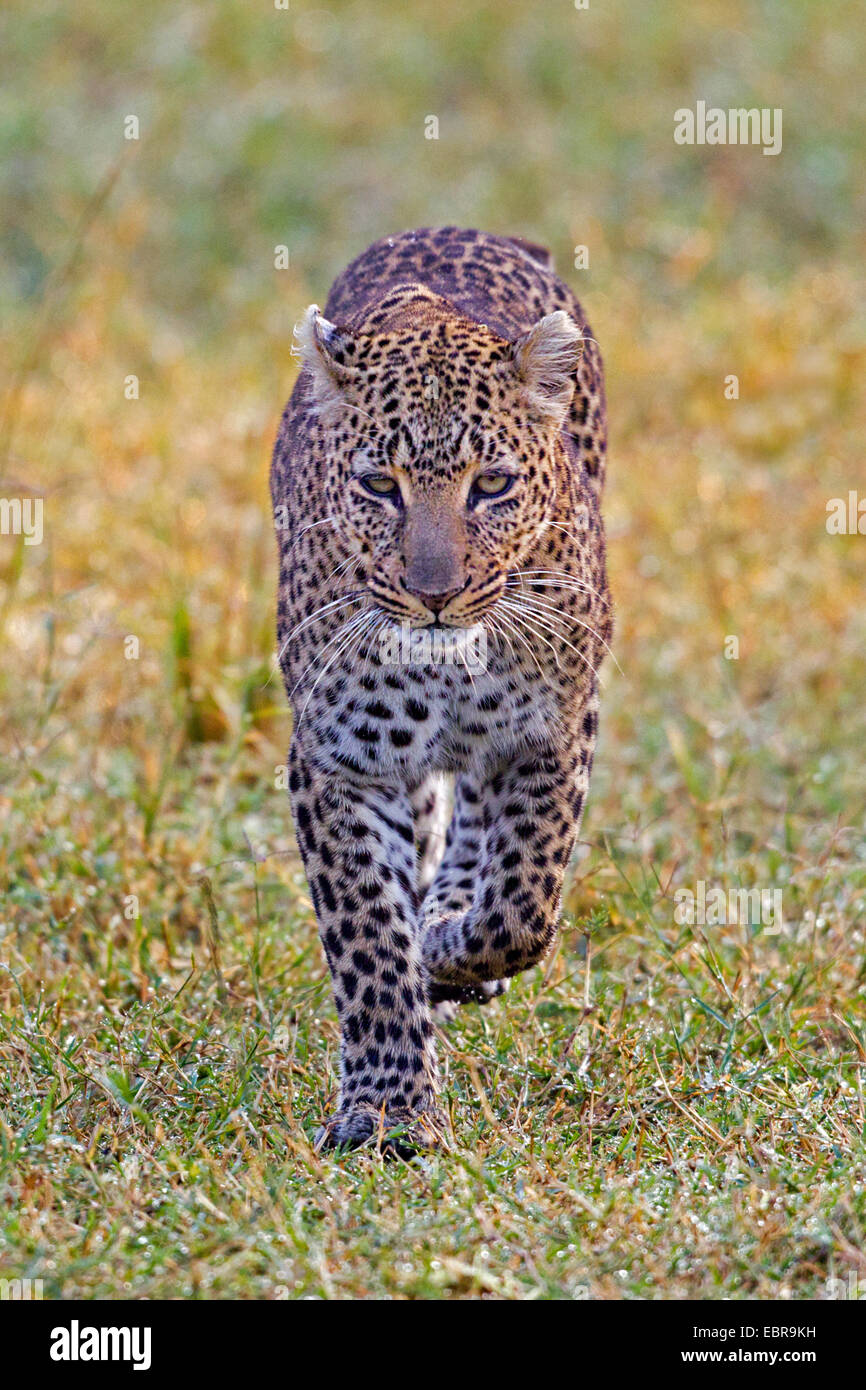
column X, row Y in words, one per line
column 662, row 1110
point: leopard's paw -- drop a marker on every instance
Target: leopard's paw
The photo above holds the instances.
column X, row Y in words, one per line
column 445, row 999
column 398, row 1132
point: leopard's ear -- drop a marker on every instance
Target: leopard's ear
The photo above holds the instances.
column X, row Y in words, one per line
column 545, row 360
column 328, row 352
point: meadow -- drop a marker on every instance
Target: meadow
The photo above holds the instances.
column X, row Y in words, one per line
column 664, row 1109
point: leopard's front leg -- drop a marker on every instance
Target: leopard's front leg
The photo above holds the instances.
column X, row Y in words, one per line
column 358, row 848
column 532, row 810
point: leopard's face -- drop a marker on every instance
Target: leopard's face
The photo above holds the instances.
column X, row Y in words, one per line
column 441, row 444
column 446, row 493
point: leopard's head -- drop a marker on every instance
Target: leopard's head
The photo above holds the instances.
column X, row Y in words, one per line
column 441, row 442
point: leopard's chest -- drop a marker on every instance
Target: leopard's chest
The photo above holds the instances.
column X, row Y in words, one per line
column 406, row 719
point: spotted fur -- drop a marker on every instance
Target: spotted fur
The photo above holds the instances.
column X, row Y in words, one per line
column 437, row 801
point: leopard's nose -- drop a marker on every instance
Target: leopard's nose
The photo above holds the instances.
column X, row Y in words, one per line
column 435, row 601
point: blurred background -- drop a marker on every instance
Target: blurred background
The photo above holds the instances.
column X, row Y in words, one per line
column 153, row 259
column 261, row 128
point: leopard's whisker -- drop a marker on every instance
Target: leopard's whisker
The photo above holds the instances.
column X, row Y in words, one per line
column 352, row 597
column 554, row 526
column 462, row 657
column 325, row 520
column 494, row 627
column 342, row 565
column 553, row 613
column 567, row 618
column 372, row 638
column 336, row 603
column 553, row 608
column 510, row 624
column 544, row 623
column 565, row 578
column 534, row 585
column 562, row 623
column 532, row 591
column 529, row 626
column 369, row 635
column 351, row 405
column 352, row 650
column 362, row 619
column 527, row 623
column 561, row 574
column 348, row 626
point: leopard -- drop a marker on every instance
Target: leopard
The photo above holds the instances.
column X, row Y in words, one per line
column 443, row 611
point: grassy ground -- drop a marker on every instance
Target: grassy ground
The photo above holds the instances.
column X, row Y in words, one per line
column 663, row 1110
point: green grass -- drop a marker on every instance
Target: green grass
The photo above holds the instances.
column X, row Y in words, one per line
column 661, row 1111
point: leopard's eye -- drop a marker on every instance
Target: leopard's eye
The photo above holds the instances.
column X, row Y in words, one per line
column 380, row 485
column 492, row 484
